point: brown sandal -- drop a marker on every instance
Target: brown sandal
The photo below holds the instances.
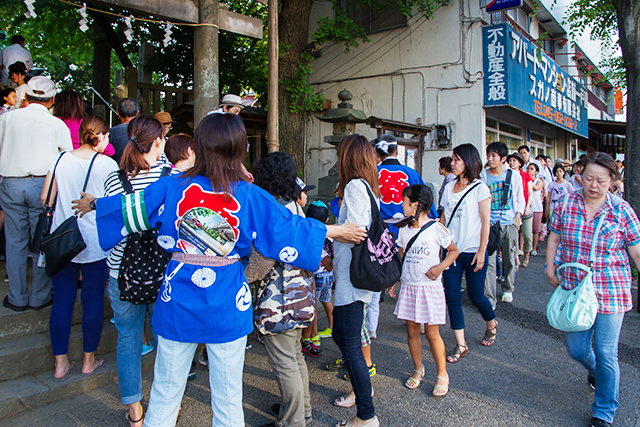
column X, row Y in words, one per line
column 459, row 351
column 490, row 336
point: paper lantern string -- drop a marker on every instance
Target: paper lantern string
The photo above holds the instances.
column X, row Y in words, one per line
column 84, row 21
column 31, row 9
column 128, row 33
column 167, row 34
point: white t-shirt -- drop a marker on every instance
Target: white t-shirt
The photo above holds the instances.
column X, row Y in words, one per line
column 70, row 176
column 465, row 226
column 558, row 190
column 423, row 254
column 574, row 182
column 536, row 198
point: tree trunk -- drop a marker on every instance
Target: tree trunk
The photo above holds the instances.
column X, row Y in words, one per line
column 628, row 12
column 101, row 71
column 293, row 28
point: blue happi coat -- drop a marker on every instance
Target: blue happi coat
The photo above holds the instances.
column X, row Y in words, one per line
column 209, row 304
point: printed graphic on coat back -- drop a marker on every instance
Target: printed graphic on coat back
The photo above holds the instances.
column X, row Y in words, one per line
column 391, row 185
column 206, row 224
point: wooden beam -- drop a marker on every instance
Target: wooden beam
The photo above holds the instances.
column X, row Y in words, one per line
column 180, row 10
column 187, row 11
column 240, row 24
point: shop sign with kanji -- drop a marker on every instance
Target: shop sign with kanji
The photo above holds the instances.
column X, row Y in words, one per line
column 519, row 75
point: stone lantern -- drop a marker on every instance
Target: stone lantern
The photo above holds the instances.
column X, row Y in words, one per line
column 344, row 119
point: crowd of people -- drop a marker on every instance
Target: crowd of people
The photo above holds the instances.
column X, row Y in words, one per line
column 213, row 222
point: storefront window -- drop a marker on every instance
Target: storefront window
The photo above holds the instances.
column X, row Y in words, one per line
column 508, row 134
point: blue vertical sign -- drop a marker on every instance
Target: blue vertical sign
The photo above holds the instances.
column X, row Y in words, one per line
column 518, row 75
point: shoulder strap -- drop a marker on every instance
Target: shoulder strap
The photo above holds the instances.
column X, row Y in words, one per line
column 53, row 176
column 506, row 188
column 86, row 180
column 592, row 254
column 124, row 180
column 413, row 239
column 375, row 211
column 459, row 202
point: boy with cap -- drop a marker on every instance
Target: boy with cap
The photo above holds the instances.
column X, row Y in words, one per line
column 231, row 104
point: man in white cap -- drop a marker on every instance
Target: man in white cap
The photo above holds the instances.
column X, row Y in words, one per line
column 231, row 104
column 30, row 140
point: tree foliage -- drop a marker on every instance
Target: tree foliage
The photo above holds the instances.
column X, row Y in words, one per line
column 600, row 17
column 54, row 40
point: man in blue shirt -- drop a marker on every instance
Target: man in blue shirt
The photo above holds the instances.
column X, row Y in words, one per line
column 500, row 178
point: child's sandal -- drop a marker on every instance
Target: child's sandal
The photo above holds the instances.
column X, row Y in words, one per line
column 413, row 383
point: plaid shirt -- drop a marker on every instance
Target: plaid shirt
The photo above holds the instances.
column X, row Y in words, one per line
column 612, row 275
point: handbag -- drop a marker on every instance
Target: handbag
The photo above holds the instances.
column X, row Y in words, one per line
column 375, row 263
column 61, row 246
column 496, row 229
column 285, row 300
column 575, row 310
column 45, row 219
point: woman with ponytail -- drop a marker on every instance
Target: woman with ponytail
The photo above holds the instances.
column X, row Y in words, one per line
column 70, row 173
column 141, row 162
column 421, row 299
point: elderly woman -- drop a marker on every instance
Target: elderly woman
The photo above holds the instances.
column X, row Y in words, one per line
column 208, row 218
column 573, row 224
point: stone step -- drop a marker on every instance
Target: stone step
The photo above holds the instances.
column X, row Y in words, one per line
column 32, row 354
column 32, row 391
column 20, row 324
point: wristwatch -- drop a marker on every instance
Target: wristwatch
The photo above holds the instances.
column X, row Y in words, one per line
column 92, row 205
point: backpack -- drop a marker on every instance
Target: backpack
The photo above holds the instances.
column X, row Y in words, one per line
column 144, row 262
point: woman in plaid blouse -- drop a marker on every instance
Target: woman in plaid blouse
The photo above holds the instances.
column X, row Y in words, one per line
column 574, row 225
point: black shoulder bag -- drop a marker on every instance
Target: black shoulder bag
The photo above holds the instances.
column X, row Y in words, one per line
column 144, row 262
column 61, row 246
column 496, row 229
column 45, row 219
column 375, row 264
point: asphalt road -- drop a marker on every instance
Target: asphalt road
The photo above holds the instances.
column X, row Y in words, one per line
column 525, row 379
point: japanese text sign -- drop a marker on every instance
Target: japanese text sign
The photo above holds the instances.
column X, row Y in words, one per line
column 496, row 5
column 517, row 74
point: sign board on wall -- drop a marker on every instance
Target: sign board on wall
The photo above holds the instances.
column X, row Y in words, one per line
column 498, row 5
column 519, row 75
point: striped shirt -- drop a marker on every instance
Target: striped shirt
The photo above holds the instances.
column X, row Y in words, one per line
column 112, row 187
column 621, row 228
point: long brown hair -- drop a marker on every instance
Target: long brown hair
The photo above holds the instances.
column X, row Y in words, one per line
column 69, row 105
column 91, row 127
column 220, row 144
column 357, row 159
column 143, row 132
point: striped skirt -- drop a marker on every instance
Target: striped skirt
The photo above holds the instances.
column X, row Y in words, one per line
column 423, row 303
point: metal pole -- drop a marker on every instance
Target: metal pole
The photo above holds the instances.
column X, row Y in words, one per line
column 273, row 143
column 205, row 61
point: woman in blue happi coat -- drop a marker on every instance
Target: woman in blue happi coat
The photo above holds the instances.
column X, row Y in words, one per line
column 208, row 218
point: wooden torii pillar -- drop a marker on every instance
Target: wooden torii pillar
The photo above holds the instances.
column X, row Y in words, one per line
column 205, row 39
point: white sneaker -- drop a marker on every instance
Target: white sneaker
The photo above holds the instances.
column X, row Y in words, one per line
column 507, row 297
column 534, row 253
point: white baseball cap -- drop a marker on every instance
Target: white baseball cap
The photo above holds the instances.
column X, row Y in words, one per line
column 41, row 87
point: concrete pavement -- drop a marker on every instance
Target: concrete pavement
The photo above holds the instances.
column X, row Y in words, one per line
column 525, row 379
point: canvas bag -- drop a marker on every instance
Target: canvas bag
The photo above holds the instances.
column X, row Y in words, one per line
column 144, row 262
column 375, row 263
column 575, row 310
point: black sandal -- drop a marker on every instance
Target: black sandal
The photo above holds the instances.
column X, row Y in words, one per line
column 128, row 418
column 459, row 351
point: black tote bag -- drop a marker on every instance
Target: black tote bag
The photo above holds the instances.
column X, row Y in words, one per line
column 375, row 264
column 61, row 246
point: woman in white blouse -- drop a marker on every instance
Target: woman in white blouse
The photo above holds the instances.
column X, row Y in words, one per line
column 467, row 212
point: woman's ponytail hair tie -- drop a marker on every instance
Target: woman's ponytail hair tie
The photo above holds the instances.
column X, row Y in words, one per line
column 131, row 138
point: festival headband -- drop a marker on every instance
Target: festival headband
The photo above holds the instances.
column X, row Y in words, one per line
column 384, row 145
